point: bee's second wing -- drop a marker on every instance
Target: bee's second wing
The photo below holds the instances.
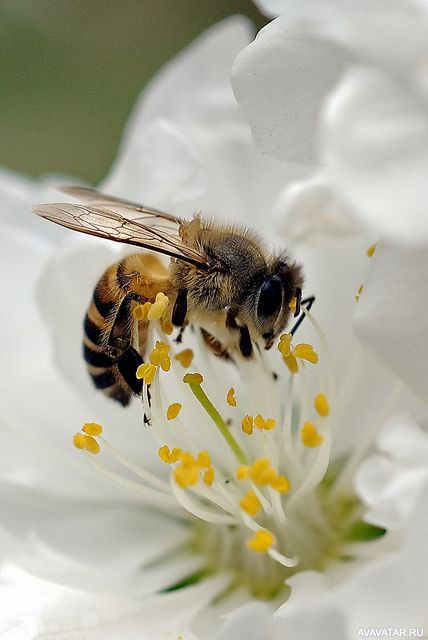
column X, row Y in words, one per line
column 104, row 223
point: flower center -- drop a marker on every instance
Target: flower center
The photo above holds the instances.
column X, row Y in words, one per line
column 248, row 464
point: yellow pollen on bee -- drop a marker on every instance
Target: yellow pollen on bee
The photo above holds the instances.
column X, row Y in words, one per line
column 293, row 304
column 146, row 372
column 92, row 429
column 193, row 378
column 266, row 424
column 203, row 461
column 305, row 352
column 250, row 503
column 173, row 410
column 359, row 292
column 208, row 476
column 159, row 307
column 166, row 326
column 169, row 456
column 370, row 251
column 184, row 357
column 247, row 425
column 140, row 312
column 309, row 435
column 261, row 541
column 321, row 404
column 231, row 400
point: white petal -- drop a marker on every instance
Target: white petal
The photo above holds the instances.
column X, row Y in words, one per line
column 310, row 209
column 392, row 314
column 159, row 166
column 94, row 545
column 252, row 622
column 280, row 81
column 34, row 608
column 404, row 440
column 376, row 152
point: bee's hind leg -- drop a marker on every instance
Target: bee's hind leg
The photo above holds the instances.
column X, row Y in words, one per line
column 125, row 356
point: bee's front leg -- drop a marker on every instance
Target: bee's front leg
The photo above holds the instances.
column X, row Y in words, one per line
column 245, row 343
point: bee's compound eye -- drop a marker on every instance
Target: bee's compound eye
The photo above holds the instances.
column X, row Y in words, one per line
column 270, row 298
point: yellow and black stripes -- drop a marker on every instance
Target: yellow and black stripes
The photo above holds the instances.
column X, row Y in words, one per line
column 112, row 347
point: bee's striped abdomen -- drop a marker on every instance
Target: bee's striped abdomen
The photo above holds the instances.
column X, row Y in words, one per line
column 112, row 347
column 102, row 368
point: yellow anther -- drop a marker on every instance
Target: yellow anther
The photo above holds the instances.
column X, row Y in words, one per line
column 146, row 372
column 208, row 477
column 247, row 425
column 242, row 472
column 291, row 363
column 166, row 326
column 261, row 423
column 305, row 352
column 359, row 292
column 79, row 440
column 140, row 312
column 231, row 400
column 159, row 358
column 284, row 345
column 169, row 456
column 250, row 503
column 321, row 404
column 186, row 476
column 261, row 541
column 92, row 428
column 193, row 378
column 309, row 435
column 293, row 304
column 173, row 410
column 281, row 484
column 91, row 445
column 184, row 357
column 159, row 307
column 370, row 251
column 83, row 441
column 261, row 472
column 162, row 346
column 188, row 459
column 203, row 461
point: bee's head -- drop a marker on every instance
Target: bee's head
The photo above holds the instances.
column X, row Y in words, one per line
column 273, row 298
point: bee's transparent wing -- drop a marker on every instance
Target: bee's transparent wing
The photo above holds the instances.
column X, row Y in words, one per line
column 104, row 223
column 126, row 208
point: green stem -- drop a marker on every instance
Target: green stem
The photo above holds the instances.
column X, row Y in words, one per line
column 202, row 397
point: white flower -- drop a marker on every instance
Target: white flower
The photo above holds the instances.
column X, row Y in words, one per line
column 144, row 549
column 365, row 64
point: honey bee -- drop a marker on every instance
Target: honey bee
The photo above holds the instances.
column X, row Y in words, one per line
column 220, row 278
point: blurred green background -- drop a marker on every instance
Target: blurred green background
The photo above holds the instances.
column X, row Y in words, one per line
column 71, row 71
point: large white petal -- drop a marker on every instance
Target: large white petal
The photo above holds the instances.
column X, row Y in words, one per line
column 33, row 608
column 115, row 548
column 376, row 152
column 280, row 81
column 392, row 314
